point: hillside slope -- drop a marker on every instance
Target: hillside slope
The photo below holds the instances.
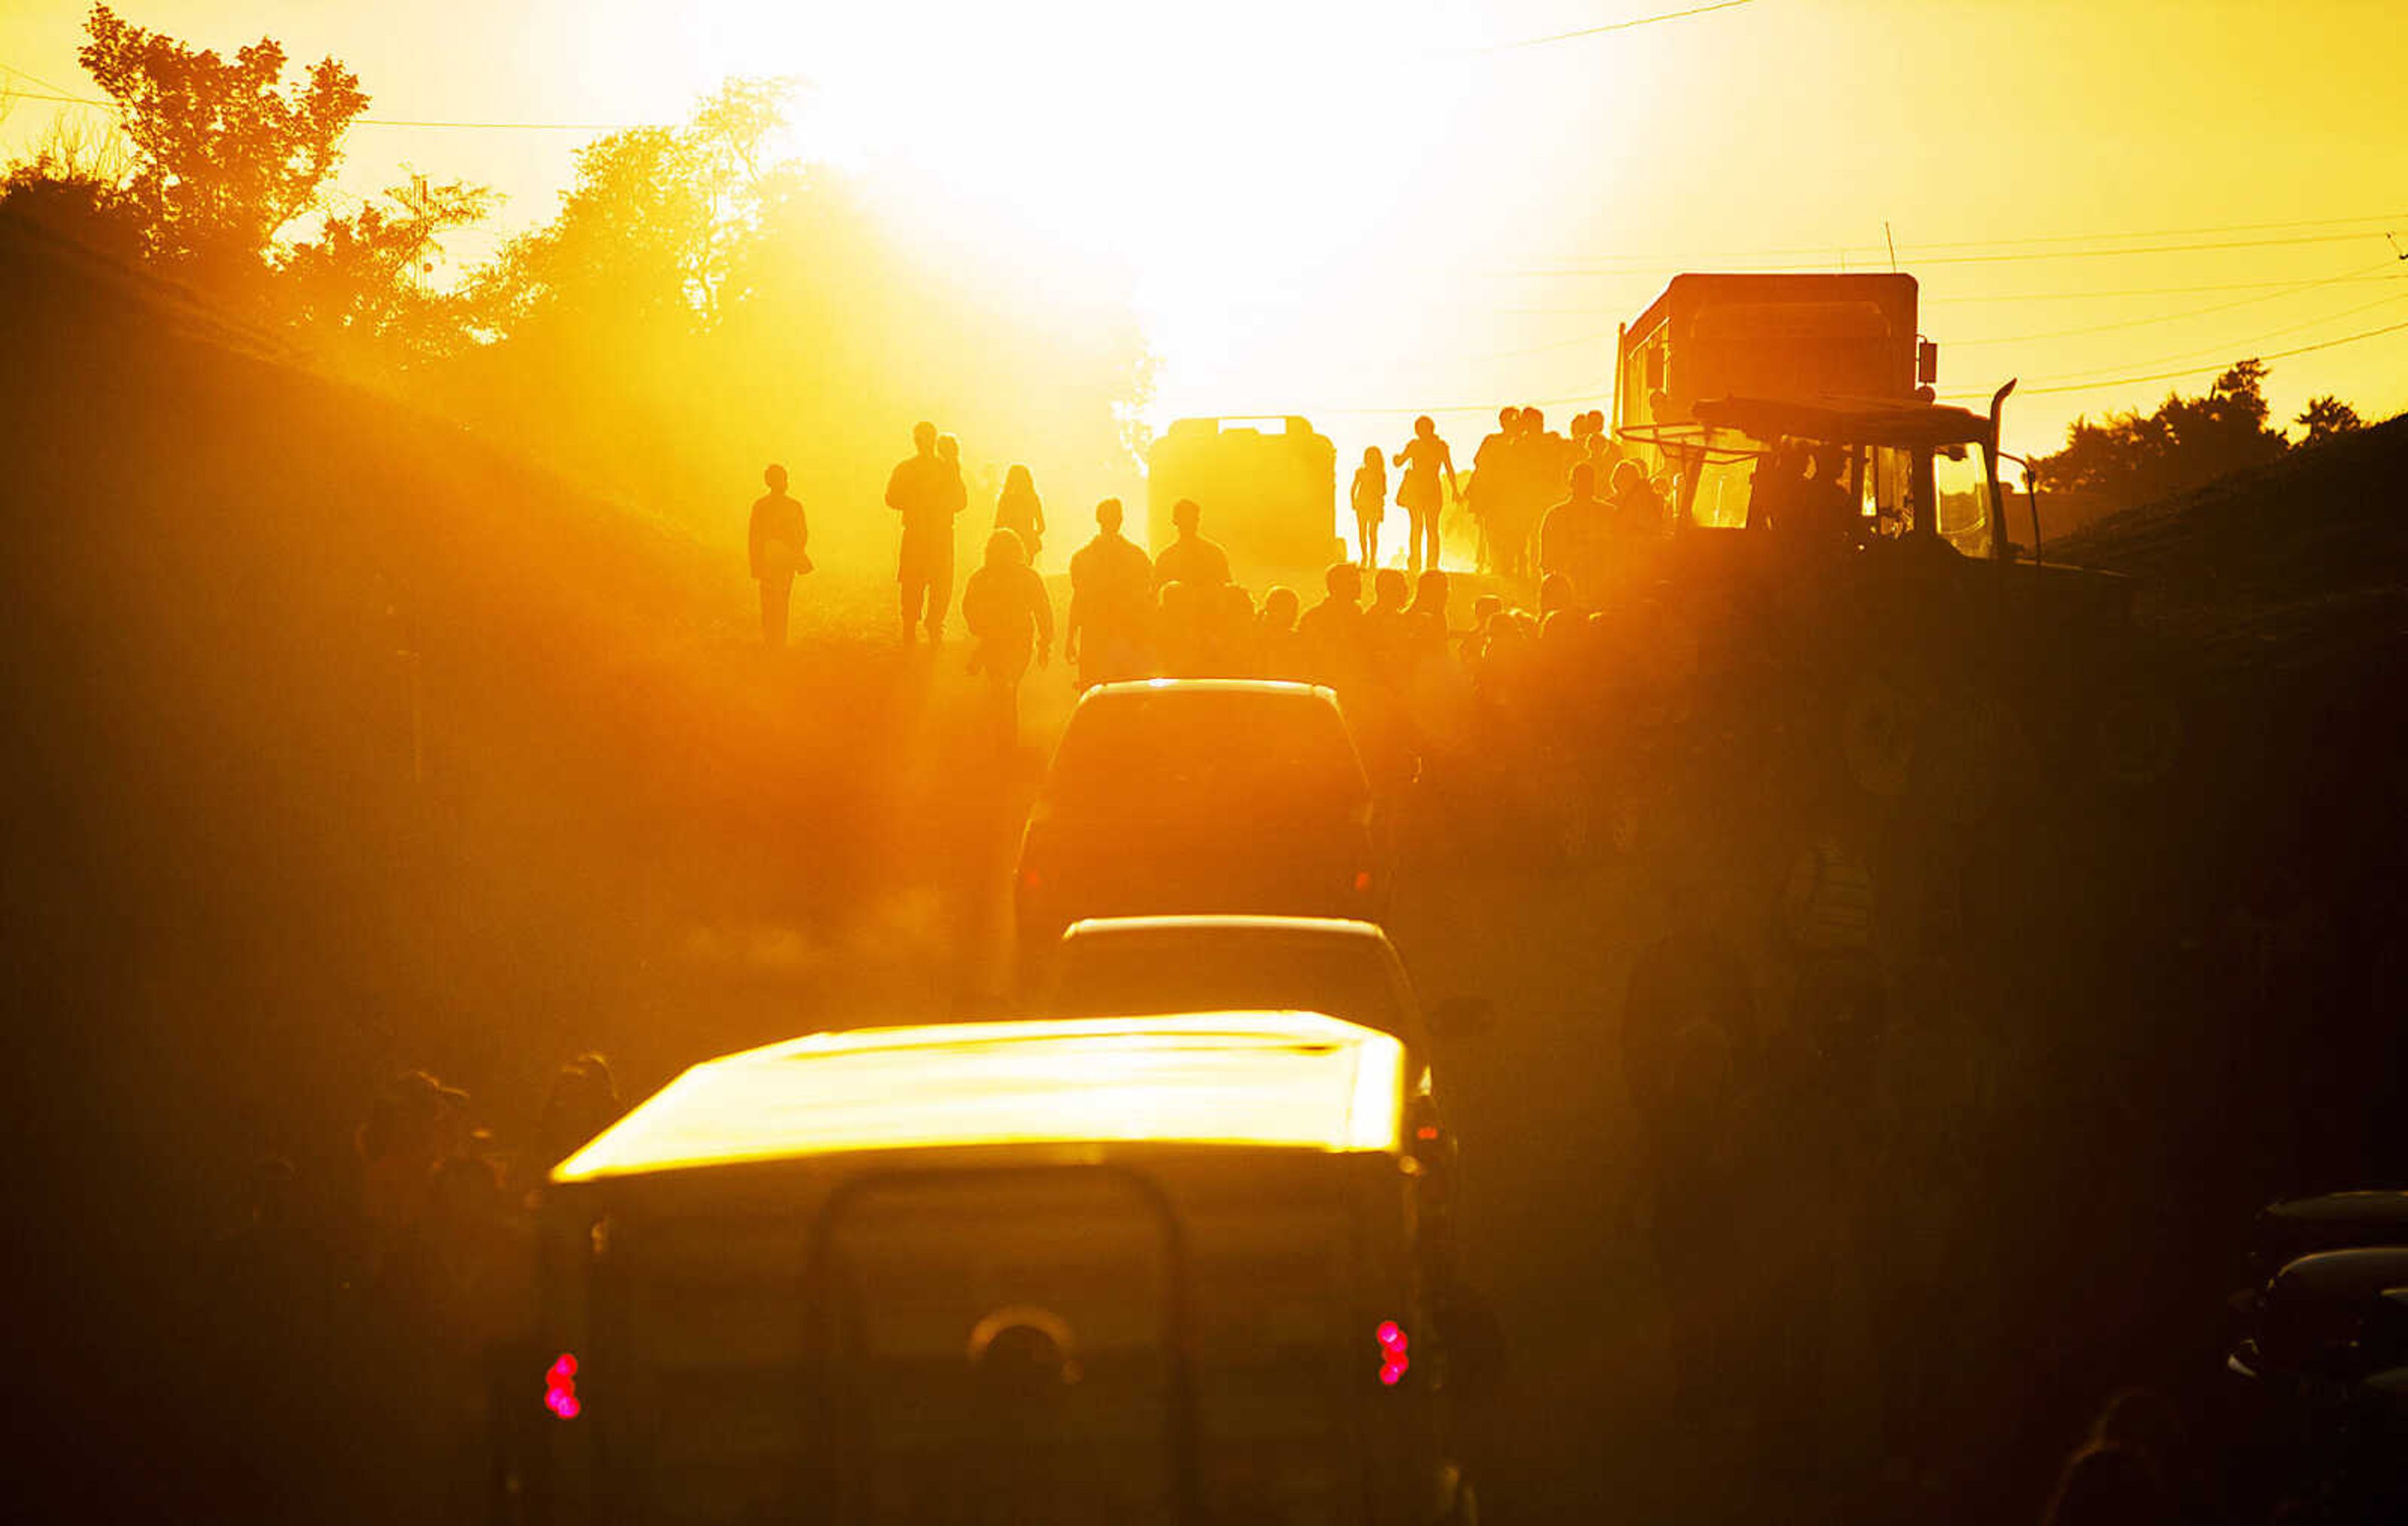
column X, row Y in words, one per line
column 2302, row 563
column 342, row 742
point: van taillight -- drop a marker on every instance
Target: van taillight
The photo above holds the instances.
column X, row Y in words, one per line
column 1393, row 1360
column 1362, row 879
column 560, row 1387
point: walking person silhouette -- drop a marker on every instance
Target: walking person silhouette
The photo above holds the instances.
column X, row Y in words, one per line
column 1370, row 497
column 927, row 491
column 1018, row 509
column 1005, row 605
column 1425, row 458
column 1112, row 588
column 777, row 537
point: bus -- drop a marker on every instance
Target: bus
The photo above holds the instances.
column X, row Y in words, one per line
column 1268, row 487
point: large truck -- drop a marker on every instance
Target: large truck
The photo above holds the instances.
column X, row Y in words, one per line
column 1825, row 340
column 1840, row 619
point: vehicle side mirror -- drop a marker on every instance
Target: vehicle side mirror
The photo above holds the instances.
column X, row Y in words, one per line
column 1461, row 1017
column 1926, row 363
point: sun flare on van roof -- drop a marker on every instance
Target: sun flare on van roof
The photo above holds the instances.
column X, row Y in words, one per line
column 1278, row 1079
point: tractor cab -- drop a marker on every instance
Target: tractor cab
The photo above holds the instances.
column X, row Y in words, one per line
column 1840, row 471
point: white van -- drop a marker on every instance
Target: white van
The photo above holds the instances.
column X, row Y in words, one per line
column 1157, row 1269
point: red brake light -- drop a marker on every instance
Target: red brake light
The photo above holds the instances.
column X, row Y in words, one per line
column 1394, row 1363
column 1031, row 879
column 560, row 1387
column 1362, row 879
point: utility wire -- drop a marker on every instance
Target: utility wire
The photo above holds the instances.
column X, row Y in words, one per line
column 2187, row 313
column 2131, row 292
column 1659, row 258
column 1623, row 268
column 62, row 93
column 1600, row 336
column 86, row 101
column 2280, row 289
column 2241, row 346
column 2198, row 370
column 1961, row 299
column 1466, row 407
column 1578, row 33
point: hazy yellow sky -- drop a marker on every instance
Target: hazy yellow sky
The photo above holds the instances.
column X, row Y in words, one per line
column 1362, row 208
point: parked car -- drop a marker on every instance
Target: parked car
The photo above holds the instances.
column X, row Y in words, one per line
column 1340, row 967
column 1209, row 963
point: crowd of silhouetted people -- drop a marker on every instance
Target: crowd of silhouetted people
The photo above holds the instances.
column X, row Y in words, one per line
column 1572, row 516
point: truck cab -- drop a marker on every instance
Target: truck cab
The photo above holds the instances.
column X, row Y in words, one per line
column 1161, row 1268
column 1894, row 470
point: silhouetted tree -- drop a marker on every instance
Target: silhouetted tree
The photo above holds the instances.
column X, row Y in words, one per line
column 225, row 155
column 360, row 285
column 696, row 302
column 651, row 226
column 627, row 247
column 72, row 185
column 2131, row 458
column 2326, row 417
column 212, row 167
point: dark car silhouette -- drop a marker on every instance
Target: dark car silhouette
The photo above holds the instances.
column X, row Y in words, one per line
column 1175, row 796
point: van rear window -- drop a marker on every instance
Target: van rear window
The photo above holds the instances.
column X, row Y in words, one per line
column 1170, row 751
column 1109, row 974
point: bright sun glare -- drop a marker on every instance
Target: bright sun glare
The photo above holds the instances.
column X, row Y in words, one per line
column 1222, row 162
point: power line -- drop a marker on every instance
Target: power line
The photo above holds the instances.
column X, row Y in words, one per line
column 91, row 103
column 1600, row 336
column 35, row 77
column 1954, row 299
column 2242, row 347
column 2200, row 370
column 1658, row 258
column 1431, row 408
column 1621, row 265
column 2187, row 313
column 1609, row 26
column 1958, row 299
column 510, row 126
column 2159, row 233
column 2286, row 288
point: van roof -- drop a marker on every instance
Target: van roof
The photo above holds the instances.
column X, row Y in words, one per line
column 1295, row 1080
column 1302, row 927
column 1274, row 687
